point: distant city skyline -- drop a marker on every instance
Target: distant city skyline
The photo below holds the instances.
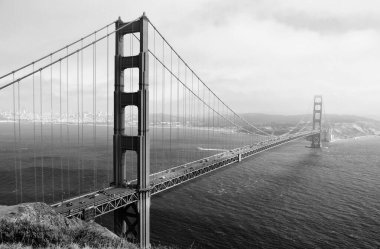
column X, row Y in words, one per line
column 258, row 56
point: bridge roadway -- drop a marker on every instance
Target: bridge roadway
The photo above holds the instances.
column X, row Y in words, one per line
column 97, row 203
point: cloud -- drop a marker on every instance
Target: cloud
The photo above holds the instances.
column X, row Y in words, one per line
column 257, row 55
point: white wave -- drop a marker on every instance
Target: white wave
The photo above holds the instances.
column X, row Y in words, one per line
column 211, row 149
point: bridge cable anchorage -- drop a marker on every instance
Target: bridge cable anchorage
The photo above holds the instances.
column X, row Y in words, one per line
column 64, row 57
column 56, row 51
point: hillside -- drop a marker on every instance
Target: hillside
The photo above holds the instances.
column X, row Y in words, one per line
column 37, row 225
column 343, row 126
column 258, row 118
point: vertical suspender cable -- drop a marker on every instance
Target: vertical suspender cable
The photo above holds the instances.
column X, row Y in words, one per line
column 78, row 129
column 227, row 129
column 213, row 116
column 184, row 111
column 163, row 103
column 178, row 124
column 233, row 131
column 15, row 138
column 203, row 109
column 218, row 121
column 198, row 122
column 94, row 109
column 60, row 125
column 208, row 121
column 95, row 114
column 51, row 129
column 171, row 100
column 82, row 113
column 155, row 103
column 34, row 140
column 19, row 137
column 191, row 111
column 41, row 140
column 67, row 122
column 108, row 156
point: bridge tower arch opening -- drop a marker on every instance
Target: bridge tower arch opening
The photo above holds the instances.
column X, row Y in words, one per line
column 132, row 221
column 317, row 122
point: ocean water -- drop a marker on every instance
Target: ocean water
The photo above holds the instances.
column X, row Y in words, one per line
column 290, row 197
column 59, row 162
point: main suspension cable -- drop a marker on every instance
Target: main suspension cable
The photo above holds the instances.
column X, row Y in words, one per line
column 68, row 55
column 171, row 47
column 56, row 51
column 180, row 81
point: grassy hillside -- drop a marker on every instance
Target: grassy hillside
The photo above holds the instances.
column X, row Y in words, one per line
column 36, row 225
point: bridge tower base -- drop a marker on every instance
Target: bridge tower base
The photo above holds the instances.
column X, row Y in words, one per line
column 317, row 122
column 132, row 221
column 126, row 222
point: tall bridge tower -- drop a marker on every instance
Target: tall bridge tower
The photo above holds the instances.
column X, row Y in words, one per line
column 132, row 221
column 317, row 122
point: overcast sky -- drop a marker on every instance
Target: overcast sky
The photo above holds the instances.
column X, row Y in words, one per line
column 268, row 56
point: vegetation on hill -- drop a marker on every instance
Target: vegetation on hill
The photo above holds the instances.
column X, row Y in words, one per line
column 36, row 225
column 343, row 126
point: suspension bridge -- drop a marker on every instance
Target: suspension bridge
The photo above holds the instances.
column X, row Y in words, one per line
column 105, row 122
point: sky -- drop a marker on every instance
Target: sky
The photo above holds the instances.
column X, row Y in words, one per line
column 259, row 56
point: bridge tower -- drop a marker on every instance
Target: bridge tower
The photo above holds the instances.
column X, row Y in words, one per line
column 317, row 122
column 133, row 221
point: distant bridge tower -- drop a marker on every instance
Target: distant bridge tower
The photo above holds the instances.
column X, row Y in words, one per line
column 317, row 122
column 132, row 221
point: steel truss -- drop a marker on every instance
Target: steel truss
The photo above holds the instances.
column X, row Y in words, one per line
column 121, row 197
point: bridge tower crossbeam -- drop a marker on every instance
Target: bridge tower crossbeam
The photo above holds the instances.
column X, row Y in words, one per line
column 132, row 221
column 317, row 122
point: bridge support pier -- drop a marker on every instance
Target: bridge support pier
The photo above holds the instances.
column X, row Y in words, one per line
column 317, row 122
column 132, row 221
column 126, row 222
